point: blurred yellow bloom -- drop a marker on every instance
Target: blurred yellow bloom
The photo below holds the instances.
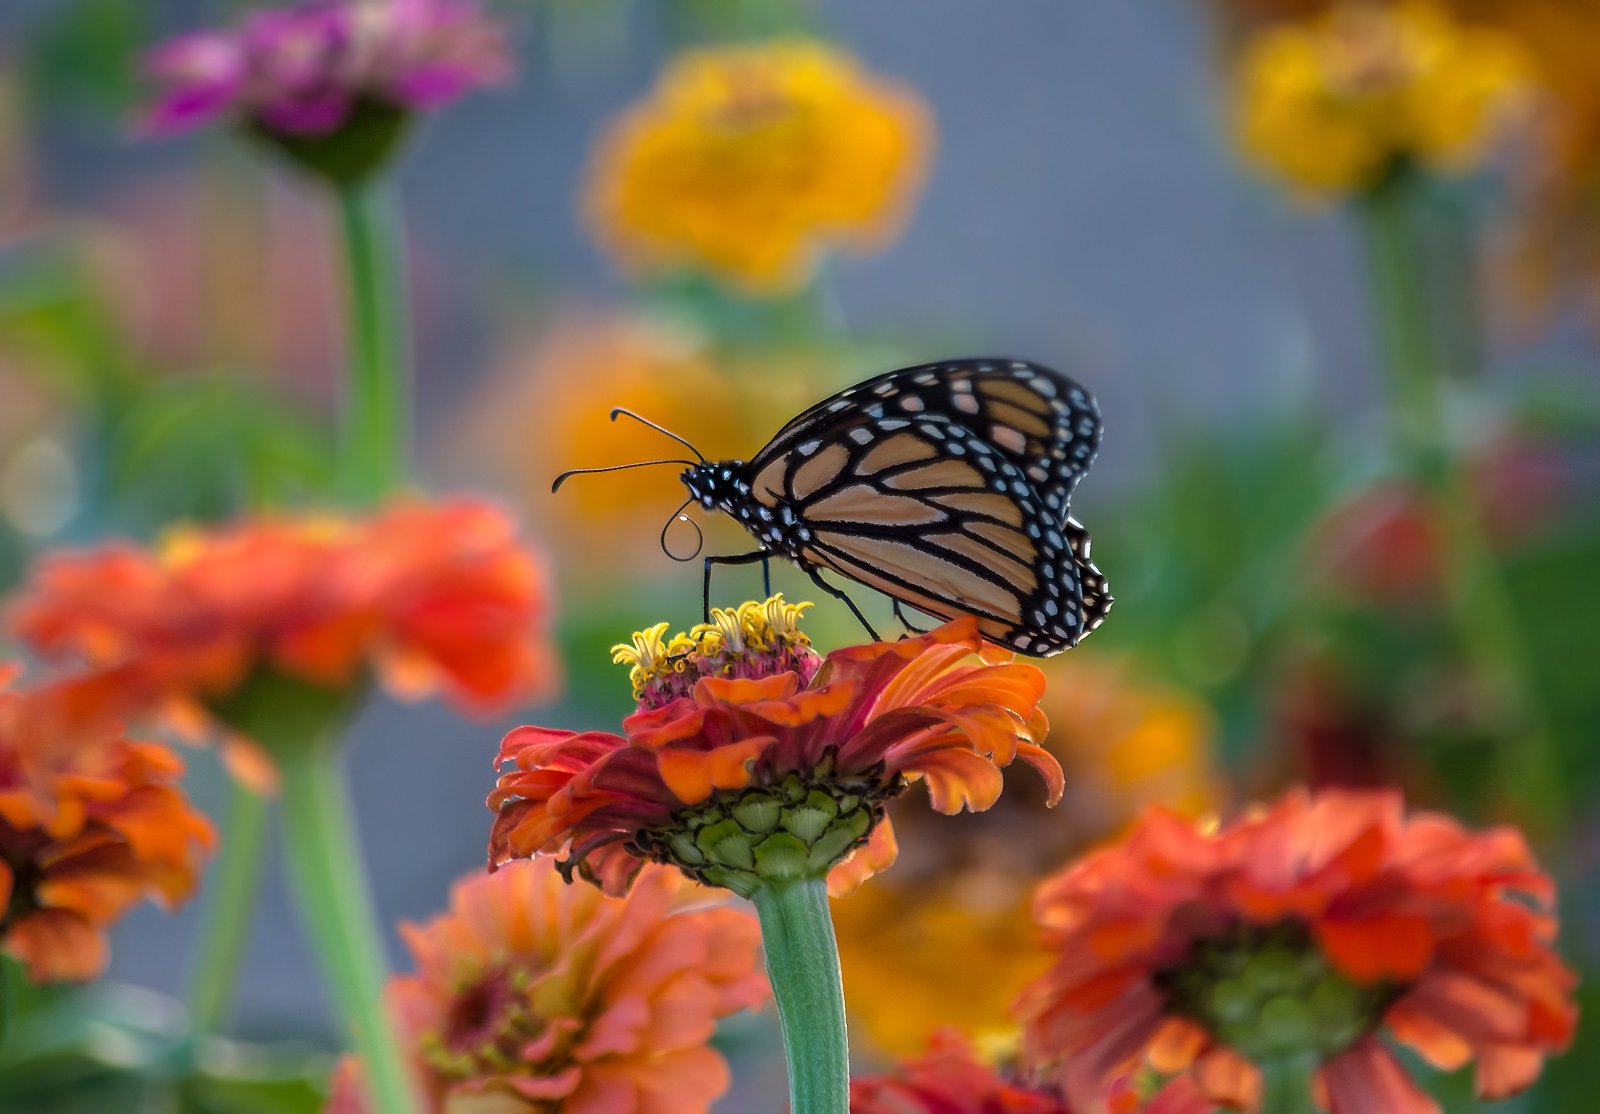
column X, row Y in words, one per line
column 1125, row 741
column 545, row 407
column 746, row 161
column 1334, row 103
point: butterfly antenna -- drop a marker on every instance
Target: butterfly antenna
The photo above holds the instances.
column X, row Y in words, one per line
column 659, row 429
column 699, row 535
column 570, row 472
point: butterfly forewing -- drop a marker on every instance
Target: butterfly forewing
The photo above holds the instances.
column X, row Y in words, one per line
column 946, row 486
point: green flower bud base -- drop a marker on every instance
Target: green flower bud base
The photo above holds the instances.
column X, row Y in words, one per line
column 1268, row 993
column 351, row 155
column 742, row 839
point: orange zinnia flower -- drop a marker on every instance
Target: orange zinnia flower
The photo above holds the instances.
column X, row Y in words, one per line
column 1301, row 930
column 752, row 759
column 425, row 596
column 530, row 994
column 91, row 823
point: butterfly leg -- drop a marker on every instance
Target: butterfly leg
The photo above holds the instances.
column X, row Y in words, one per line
column 762, row 555
column 907, row 623
column 816, row 579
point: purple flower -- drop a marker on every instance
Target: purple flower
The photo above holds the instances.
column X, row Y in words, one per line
column 306, row 71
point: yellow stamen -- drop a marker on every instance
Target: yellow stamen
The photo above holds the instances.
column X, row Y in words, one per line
column 755, row 627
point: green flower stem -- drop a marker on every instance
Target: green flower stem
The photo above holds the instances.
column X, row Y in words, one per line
column 1481, row 608
column 377, row 411
column 803, row 964
column 1286, row 1083
column 330, row 886
column 1403, row 308
column 12, row 975
column 230, row 909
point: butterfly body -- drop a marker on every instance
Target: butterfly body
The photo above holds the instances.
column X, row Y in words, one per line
column 946, row 486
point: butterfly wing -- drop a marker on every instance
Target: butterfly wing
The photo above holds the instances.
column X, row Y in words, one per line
column 1043, row 421
column 946, row 487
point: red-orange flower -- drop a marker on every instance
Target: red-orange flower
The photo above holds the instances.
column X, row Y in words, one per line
column 1301, row 929
column 532, row 995
column 425, row 596
column 753, row 759
column 91, row 823
column 1387, row 543
column 951, row 1078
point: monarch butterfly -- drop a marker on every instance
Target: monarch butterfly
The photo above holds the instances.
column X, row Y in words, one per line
column 945, row 486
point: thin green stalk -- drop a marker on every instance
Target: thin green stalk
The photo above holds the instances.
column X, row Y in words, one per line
column 803, row 964
column 330, row 886
column 377, row 411
column 1481, row 608
column 1286, row 1083
column 11, row 975
column 1404, row 313
column 230, row 909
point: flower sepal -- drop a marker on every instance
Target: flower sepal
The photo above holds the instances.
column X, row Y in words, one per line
column 279, row 711
column 351, row 155
column 799, row 828
column 1270, row 994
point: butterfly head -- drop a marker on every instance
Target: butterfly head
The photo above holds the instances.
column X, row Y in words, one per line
column 716, row 484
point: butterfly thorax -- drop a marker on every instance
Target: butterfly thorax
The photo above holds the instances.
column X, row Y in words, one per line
column 724, row 485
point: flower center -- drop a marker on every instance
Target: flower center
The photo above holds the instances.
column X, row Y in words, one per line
column 486, row 1027
column 478, row 1014
column 1267, row 991
column 798, row 828
column 749, row 641
column 20, row 851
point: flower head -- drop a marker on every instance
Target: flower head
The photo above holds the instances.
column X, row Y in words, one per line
column 332, row 81
column 949, row 1078
column 530, row 994
column 758, row 762
column 747, row 161
column 1304, row 928
column 1386, row 544
column 423, row 596
column 1335, row 103
column 91, row 823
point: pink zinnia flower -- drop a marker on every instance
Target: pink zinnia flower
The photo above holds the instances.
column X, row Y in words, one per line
column 310, row 70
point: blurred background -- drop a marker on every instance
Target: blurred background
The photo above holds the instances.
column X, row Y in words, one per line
column 1069, row 186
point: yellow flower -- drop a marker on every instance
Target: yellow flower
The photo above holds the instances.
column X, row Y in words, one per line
column 563, row 379
column 1333, row 104
column 1124, row 741
column 747, row 161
